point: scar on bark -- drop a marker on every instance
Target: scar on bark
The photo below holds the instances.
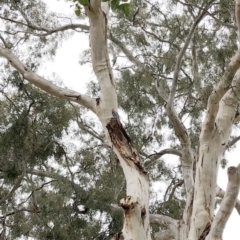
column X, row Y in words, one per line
column 73, row 96
column 123, row 143
column 127, row 204
column 98, row 101
column 205, row 232
column 143, row 214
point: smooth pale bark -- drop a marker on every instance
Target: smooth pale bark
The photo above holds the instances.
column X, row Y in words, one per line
column 216, row 129
column 164, row 235
column 221, row 193
column 214, row 136
column 44, row 84
column 180, row 129
column 213, row 141
column 227, row 204
column 171, row 226
column 136, row 204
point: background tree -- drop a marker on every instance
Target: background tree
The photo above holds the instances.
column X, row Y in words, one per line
column 63, row 172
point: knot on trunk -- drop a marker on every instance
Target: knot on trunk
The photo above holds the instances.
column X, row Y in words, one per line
column 127, row 204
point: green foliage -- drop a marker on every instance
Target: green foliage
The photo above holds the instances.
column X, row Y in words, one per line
column 35, row 126
column 71, row 177
column 116, row 5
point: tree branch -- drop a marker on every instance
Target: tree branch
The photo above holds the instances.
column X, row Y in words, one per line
column 17, row 211
column 45, row 85
column 225, row 82
column 233, row 142
column 220, row 193
column 159, row 39
column 180, row 57
column 218, row 92
column 72, row 26
column 227, row 204
column 179, row 184
column 164, row 235
column 237, row 14
column 15, row 187
column 154, row 157
column 3, row 40
column 165, row 222
column 95, row 5
column 127, row 52
column 83, row 126
column 228, row 25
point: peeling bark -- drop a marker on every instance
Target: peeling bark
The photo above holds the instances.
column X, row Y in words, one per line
column 123, row 144
column 135, row 205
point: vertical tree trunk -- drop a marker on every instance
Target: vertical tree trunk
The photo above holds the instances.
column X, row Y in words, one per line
column 136, row 203
column 213, row 141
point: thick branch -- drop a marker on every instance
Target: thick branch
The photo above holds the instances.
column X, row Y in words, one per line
column 224, row 83
column 212, row 144
column 165, row 222
column 100, row 61
column 220, row 193
column 164, row 235
column 45, row 85
column 233, row 142
column 218, row 92
column 227, row 204
column 95, row 5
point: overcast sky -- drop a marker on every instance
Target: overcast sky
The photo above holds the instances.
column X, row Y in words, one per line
column 66, row 66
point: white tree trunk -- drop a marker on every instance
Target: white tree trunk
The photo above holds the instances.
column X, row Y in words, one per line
column 213, row 140
column 136, row 204
column 227, row 204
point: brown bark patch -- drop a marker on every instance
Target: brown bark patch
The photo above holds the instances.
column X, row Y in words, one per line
column 127, row 204
column 118, row 236
column 98, row 101
column 205, row 232
column 73, row 96
column 122, row 142
column 143, row 214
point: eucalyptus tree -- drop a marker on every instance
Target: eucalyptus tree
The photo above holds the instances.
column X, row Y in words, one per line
column 178, row 86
